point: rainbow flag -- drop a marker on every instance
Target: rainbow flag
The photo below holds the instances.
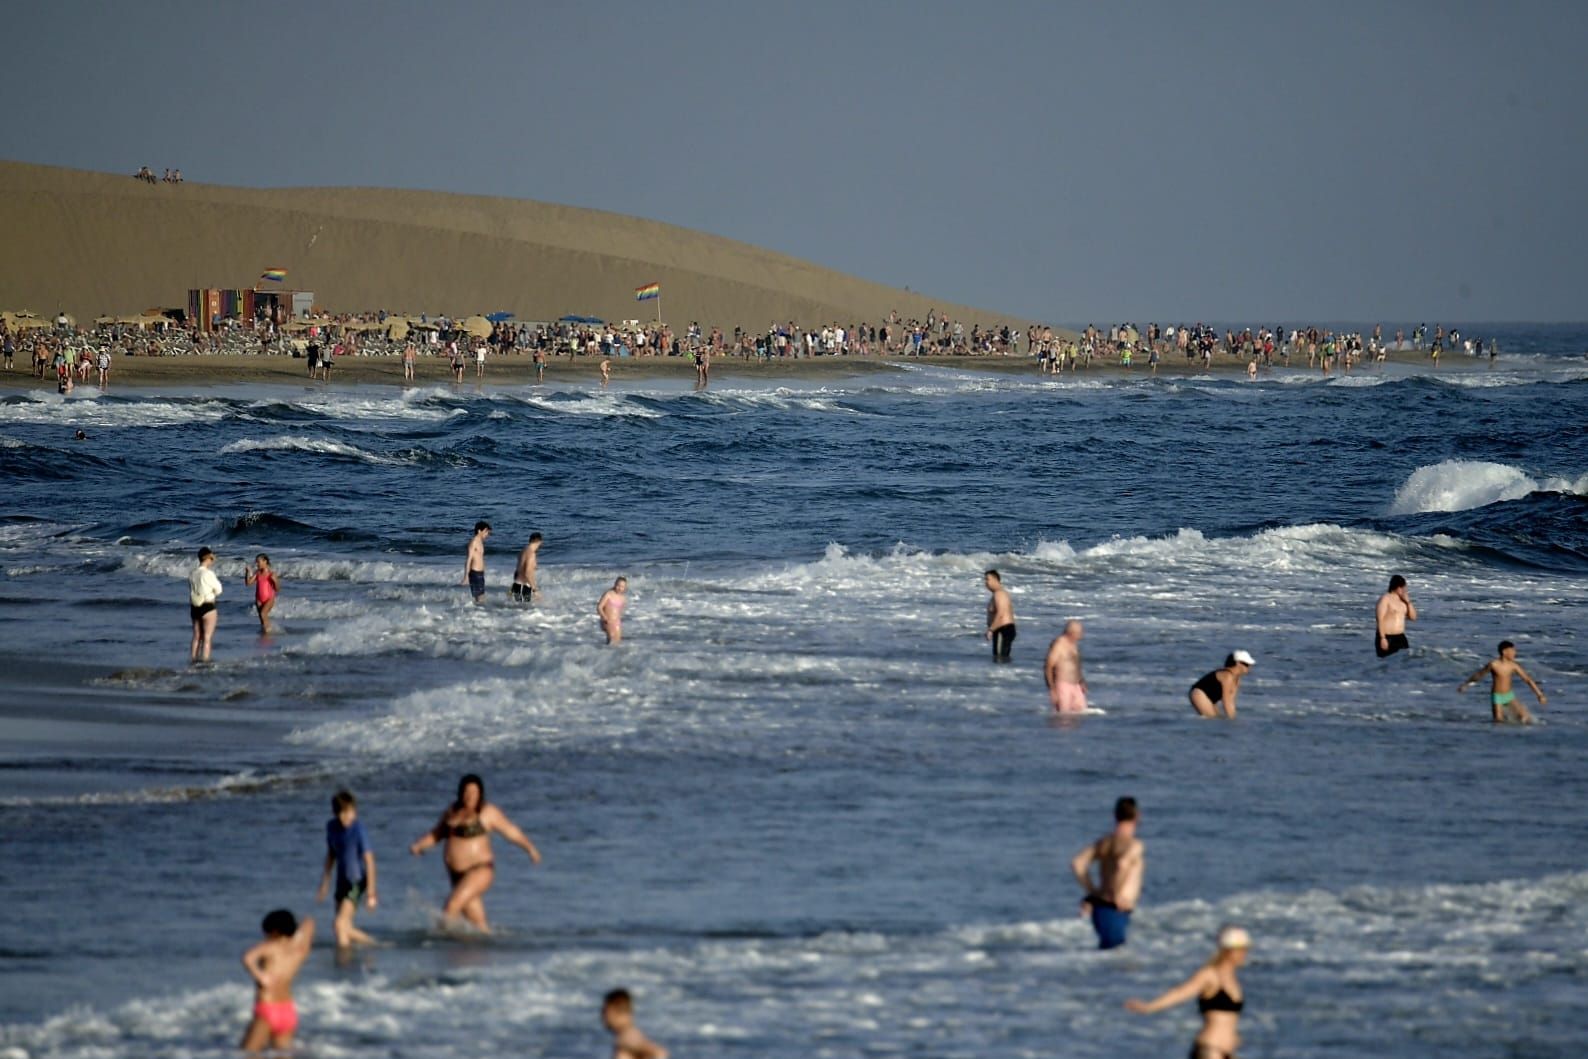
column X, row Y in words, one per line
column 274, row 275
column 647, row 292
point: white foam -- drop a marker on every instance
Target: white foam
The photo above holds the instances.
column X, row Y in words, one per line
column 292, row 568
column 303, row 443
column 1460, row 485
column 109, row 413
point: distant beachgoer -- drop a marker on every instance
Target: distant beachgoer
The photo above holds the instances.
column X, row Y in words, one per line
column 606, row 371
column 479, row 361
column 457, row 362
column 203, row 589
column 262, row 579
column 80, row 435
column 1219, row 997
column 347, row 851
column 474, row 561
column 617, row 1014
column 465, row 831
column 273, row 964
column 1000, row 616
column 1121, row 862
column 102, row 362
column 313, row 355
column 1503, row 669
column 609, row 609
column 1393, row 611
column 410, row 354
column 1221, row 685
column 1062, row 670
column 524, row 584
column 540, row 365
column 1251, row 369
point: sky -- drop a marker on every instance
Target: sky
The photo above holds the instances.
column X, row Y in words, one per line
column 1069, row 163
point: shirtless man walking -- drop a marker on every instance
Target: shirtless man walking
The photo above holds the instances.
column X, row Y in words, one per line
column 474, row 564
column 1501, row 698
column 1120, row 861
column 1062, row 671
column 1394, row 610
column 1000, row 616
column 524, row 584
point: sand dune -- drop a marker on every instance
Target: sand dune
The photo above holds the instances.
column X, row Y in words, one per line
column 92, row 243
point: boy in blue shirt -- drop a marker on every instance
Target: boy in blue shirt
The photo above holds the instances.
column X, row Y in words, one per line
column 347, row 849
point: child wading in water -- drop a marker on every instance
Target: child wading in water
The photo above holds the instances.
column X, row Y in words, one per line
column 273, row 964
column 1501, row 698
column 265, row 585
column 617, row 1011
column 347, row 850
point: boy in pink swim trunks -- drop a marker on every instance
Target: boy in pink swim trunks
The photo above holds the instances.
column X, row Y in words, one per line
column 1062, row 671
column 273, row 964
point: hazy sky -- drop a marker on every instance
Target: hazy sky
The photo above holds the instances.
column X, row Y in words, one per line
column 1065, row 162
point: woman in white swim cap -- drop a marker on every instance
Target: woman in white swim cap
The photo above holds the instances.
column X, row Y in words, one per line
column 1219, row 997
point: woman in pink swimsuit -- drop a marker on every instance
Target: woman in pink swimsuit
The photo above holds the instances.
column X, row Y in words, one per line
column 265, row 586
column 610, row 609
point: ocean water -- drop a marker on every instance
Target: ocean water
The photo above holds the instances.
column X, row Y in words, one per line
column 799, row 812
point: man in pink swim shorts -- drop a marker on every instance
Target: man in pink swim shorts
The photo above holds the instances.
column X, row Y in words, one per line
column 1062, row 671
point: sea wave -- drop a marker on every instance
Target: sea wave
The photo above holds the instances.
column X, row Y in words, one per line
column 303, row 443
column 110, row 412
column 1460, row 485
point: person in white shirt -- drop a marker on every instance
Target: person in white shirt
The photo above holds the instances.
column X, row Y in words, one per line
column 203, row 589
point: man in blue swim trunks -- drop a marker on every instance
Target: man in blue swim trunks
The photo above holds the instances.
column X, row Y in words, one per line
column 1121, row 862
column 474, row 565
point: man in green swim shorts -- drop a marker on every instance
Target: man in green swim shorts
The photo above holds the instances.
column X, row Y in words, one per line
column 1503, row 700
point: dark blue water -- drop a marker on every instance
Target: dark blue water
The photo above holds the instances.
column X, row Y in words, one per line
column 799, row 809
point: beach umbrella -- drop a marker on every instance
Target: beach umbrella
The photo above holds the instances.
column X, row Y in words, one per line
column 478, row 326
column 572, row 318
column 497, row 318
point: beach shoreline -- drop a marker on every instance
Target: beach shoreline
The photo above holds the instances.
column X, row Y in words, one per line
column 222, row 369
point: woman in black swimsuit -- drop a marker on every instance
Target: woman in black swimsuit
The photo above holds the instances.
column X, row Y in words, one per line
column 1221, row 685
column 1219, row 998
column 466, row 828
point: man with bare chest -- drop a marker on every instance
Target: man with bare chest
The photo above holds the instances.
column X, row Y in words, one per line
column 1121, row 862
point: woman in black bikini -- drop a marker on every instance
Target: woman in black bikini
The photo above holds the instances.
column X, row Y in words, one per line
column 1221, row 685
column 1219, row 998
column 466, row 828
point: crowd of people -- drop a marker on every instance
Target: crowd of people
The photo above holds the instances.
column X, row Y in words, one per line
column 73, row 351
column 1110, row 871
column 145, row 174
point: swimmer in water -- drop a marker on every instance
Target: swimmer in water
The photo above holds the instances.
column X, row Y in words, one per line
column 1221, row 685
column 1393, row 611
column 474, row 561
column 347, row 852
column 203, row 589
column 1121, row 862
column 465, row 831
column 1000, row 616
column 1218, row 994
column 273, row 964
column 262, row 579
column 1062, row 670
column 1502, row 699
column 617, row 1014
column 524, row 584
column 610, row 610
